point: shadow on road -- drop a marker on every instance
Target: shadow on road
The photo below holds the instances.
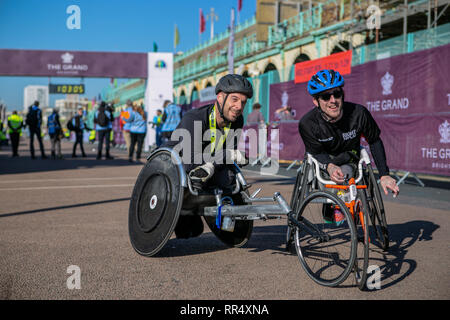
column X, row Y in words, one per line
column 394, row 264
column 192, row 246
column 62, row 207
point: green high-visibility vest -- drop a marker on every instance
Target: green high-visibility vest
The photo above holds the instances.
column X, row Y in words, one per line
column 14, row 122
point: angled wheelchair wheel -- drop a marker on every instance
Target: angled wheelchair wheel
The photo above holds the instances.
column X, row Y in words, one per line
column 242, row 229
column 326, row 249
column 156, row 202
column 377, row 212
column 301, row 189
column 361, row 219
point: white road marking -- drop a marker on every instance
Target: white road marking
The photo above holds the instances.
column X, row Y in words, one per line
column 71, row 179
column 68, row 187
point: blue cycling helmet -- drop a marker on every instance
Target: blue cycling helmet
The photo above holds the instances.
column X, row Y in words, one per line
column 324, row 80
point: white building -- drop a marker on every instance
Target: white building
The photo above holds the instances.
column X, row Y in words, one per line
column 35, row 93
column 68, row 107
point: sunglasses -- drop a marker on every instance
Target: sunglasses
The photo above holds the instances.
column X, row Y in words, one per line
column 336, row 94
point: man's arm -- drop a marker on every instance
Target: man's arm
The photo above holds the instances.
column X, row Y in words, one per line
column 261, row 117
column 58, row 122
column 372, row 135
column 39, row 116
column 185, row 141
column 379, row 156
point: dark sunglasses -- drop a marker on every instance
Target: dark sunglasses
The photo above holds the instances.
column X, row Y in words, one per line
column 336, row 94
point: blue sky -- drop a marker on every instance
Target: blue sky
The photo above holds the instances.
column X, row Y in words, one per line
column 106, row 25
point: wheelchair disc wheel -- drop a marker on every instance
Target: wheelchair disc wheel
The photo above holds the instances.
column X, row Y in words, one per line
column 361, row 219
column 377, row 212
column 326, row 251
column 155, row 204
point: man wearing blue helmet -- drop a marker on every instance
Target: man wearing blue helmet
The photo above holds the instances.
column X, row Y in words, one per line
column 332, row 130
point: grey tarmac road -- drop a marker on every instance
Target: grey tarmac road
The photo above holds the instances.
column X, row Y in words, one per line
column 55, row 214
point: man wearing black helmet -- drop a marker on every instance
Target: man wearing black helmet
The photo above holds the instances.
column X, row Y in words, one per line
column 215, row 121
column 209, row 142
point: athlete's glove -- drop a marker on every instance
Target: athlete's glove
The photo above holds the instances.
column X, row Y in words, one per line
column 202, row 173
column 236, row 156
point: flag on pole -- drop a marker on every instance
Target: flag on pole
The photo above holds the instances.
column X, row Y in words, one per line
column 231, row 45
column 176, row 38
column 239, row 11
column 202, row 22
column 155, row 47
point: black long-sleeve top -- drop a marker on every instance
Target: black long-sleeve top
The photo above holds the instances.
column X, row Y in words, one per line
column 200, row 138
column 333, row 142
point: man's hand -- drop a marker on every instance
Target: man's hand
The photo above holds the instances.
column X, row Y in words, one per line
column 388, row 182
column 202, row 173
column 236, row 156
column 335, row 173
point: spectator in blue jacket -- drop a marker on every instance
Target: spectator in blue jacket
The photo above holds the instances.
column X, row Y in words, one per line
column 138, row 129
column 171, row 119
column 103, row 126
column 126, row 125
column 54, row 129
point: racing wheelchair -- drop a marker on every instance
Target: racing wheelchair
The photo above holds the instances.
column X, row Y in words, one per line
column 164, row 194
column 329, row 250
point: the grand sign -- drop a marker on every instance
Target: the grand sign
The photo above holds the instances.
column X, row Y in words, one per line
column 52, row 63
column 408, row 96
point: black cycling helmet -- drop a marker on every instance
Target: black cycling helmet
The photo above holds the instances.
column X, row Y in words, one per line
column 235, row 83
column 232, row 83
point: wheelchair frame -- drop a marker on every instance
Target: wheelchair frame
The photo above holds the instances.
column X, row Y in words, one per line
column 306, row 188
column 163, row 170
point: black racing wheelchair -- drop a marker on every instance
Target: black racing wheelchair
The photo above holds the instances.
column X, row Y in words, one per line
column 164, row 194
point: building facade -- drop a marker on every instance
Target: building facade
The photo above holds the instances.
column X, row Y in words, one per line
column 68, row 107
column 35, row 93
column 283, row 33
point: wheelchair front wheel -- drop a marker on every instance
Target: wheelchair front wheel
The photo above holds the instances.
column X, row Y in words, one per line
column 326, row 249
column 361, row 219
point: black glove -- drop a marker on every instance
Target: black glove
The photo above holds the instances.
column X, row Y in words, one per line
column 202, row 173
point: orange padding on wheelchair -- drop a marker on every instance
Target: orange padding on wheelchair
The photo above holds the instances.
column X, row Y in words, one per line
column 336, row 186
